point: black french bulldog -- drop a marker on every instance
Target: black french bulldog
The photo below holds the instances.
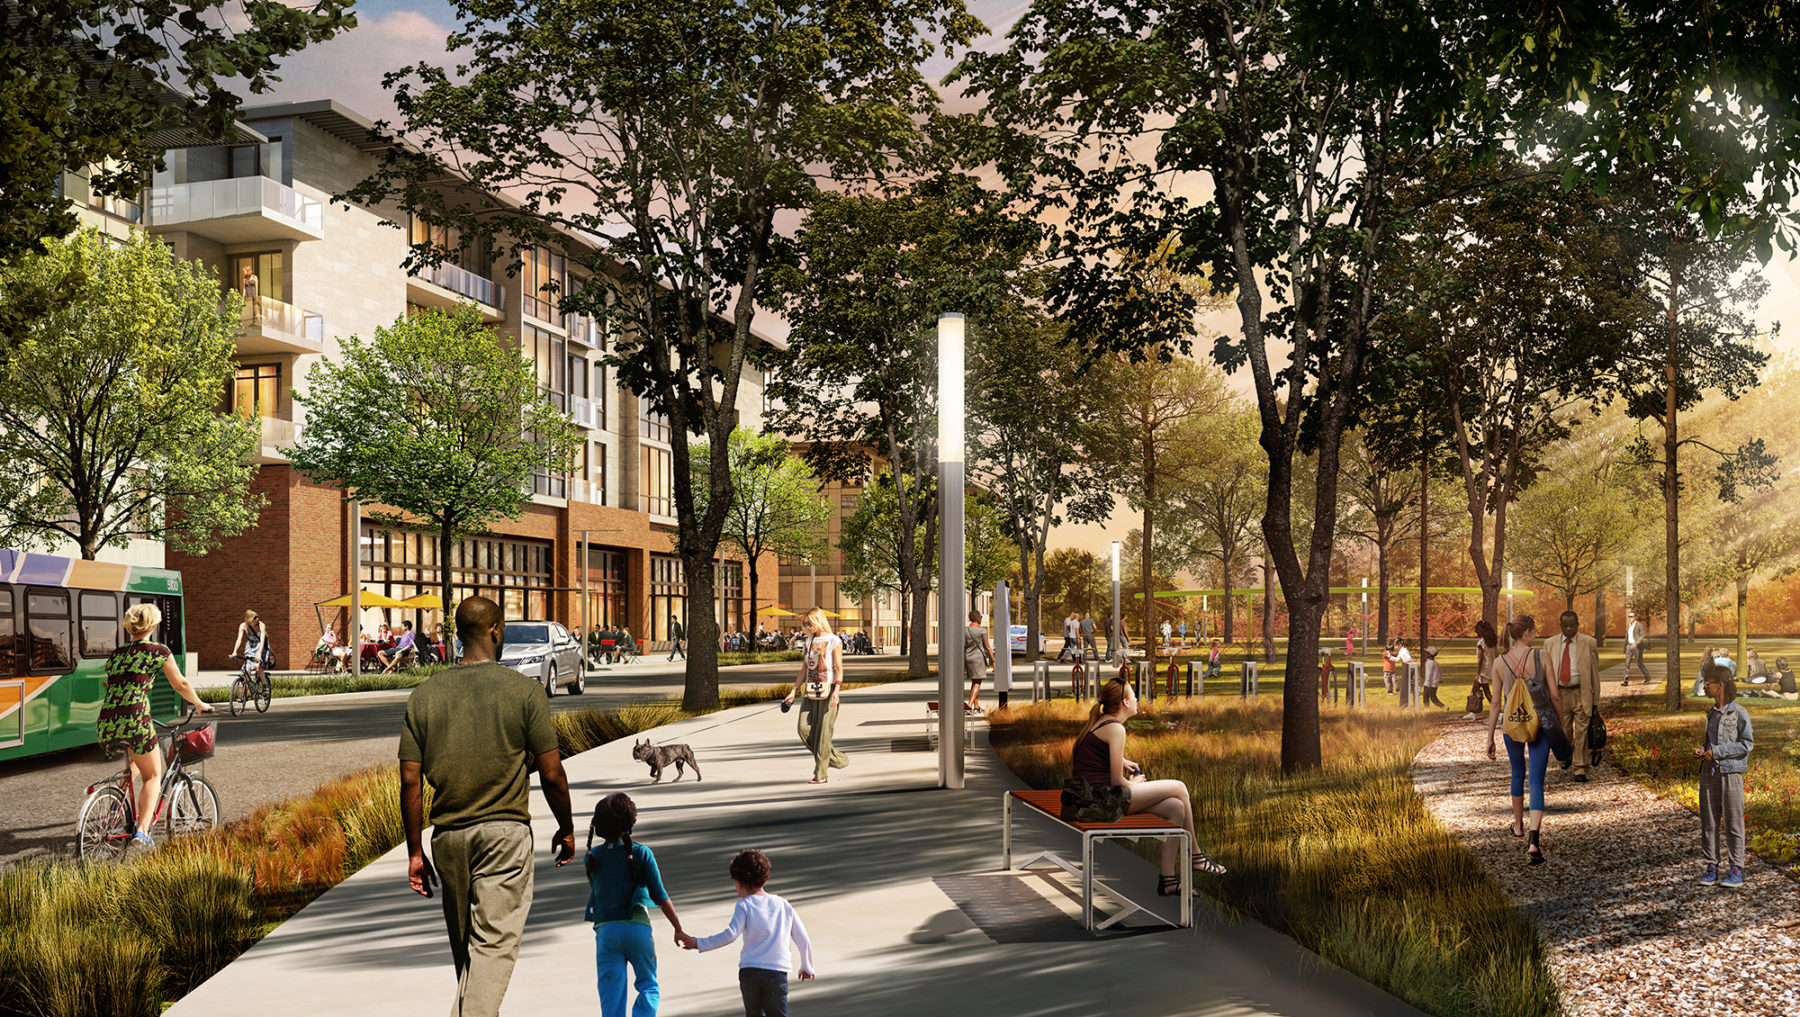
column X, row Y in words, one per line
column 659, row 756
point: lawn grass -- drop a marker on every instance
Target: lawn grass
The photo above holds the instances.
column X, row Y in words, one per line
column 80, row 939
column 1347, row 860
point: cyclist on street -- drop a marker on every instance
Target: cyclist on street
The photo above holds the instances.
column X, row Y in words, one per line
column 253, row 644
column 125, row 713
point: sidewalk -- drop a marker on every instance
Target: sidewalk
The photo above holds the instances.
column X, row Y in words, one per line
column 876, row 862
column 1628, row 931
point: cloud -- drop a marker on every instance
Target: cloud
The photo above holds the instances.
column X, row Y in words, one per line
column 349, row 67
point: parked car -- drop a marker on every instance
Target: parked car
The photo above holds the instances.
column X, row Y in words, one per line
column 1016, row 640
column 545, row 651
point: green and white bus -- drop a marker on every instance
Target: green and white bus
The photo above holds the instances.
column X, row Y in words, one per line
column 59, row 620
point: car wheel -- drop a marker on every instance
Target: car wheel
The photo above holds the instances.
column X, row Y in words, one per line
column 549, row 679
column 579, row 685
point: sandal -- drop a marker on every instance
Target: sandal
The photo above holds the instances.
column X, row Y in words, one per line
column 820, row 780
column 1533, row 850
column 1516, row 828
column 1207, row 866
column 1170, row 886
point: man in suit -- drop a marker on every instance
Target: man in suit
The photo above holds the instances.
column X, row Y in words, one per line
column 1634, row 647
column 1573, row 658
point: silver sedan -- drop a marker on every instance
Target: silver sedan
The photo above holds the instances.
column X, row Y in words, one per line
column 545, row 651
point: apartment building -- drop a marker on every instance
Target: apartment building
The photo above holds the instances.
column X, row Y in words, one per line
column 259, row 214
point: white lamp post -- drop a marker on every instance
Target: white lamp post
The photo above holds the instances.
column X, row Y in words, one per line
column 1365, row 616
column 1509, row 596
column 950, row 550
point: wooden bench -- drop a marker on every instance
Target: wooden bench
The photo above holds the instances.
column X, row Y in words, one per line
column 1130, row 827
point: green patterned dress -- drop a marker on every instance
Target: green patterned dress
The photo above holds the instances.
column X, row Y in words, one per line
column 125, row 712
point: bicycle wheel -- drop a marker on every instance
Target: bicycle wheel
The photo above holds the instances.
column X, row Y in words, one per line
column 193, row 806
column 240, row 695
column 265, row 691
column 105, row 826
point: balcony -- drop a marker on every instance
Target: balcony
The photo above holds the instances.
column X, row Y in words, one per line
column 271, row 326
column 588, row 491
column 582, row 411
column 447, row 286
column 240, row 210
column 278, row 436
column 585, row 331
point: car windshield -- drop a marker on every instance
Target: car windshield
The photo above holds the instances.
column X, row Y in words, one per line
column 517, row 634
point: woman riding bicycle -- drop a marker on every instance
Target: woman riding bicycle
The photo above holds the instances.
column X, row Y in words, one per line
column 253, row 641
column 125, row 713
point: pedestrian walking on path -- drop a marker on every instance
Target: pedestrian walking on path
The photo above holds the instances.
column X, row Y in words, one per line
column 978, row 656
column 1533, row 728
column 1098, row 757
column 474, row 731
column 1723, row 761
column 767, row 924
column 1634, row 648
column 821, row 676
column 623, row 881
column 1487, row 650
column 1434, row 676
column 1087, row 638
column 676, row 634
column 1575, row 657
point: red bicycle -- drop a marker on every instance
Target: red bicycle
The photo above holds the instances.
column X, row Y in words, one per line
column 189, row 802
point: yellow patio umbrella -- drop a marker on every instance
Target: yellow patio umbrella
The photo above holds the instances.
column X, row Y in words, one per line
column 424, row 602
column 369, row 599
column 776, row 612
column 829, row 614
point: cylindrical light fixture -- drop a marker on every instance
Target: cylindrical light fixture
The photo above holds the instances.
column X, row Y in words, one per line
column 952, row 589
column 1115, row 561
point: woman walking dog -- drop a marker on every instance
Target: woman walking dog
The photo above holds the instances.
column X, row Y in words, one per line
column 821, row 675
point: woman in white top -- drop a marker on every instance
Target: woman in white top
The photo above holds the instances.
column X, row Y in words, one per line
column 821, row 675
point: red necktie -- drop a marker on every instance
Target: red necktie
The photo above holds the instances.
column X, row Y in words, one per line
column 1565, row 671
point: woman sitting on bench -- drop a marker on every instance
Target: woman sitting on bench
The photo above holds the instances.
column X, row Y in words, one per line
column 1099, row 758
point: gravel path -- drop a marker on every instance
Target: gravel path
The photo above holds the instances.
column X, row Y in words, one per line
column 1628, row 930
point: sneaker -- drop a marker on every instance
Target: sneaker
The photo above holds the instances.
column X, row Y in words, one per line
column 139, row 841
column 1710, row 876
column 1581, row 778
column 1734, row 878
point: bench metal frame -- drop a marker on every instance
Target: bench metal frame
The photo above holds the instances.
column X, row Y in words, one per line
column 1090, row 838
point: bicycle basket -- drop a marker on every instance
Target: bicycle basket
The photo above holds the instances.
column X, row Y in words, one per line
column 200, row 742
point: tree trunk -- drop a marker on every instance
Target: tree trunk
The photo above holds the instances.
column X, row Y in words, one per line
column 446, row 541
column 1424, row 568
column 1149, row 592
column 1671, row 516
column 906, row 621
column 1600, row 615
column 1228, row 611
column 1381, row 592
column 753, row 608
column 702, row 687
column 918, row 659
column 1743, row 619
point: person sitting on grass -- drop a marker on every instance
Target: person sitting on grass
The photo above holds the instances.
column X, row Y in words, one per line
column 1099, row 759
column 767, row 924
column 1785, row 676
column 1756, row 670
column 1724, row 759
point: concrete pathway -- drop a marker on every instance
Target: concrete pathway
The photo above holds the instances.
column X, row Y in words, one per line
column 1627, row 929
column 895, row 879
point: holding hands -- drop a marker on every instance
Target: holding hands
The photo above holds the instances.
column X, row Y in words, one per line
column 685, row 941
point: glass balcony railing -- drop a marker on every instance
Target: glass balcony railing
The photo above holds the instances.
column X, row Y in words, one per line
column 582, row 410
column 584, row 330
column 463, row 282
column 199, row 201
column 271, row 319
column 278, row 433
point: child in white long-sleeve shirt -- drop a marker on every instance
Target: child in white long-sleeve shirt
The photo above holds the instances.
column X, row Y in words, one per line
column 767, row 923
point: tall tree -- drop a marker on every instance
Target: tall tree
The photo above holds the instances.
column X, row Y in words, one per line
column 109, row 427
column 1384, row 499
column 1575, row 525
column 988, row 545
column 871, row 542
column 1517, row 294
column 454, row 402
column 861, row 381
column 670, row 138
column 1073, row 581
column 1269, row 140
column 776, row 507
column 1036, row 464
column 101, row 86
column 1219, row 507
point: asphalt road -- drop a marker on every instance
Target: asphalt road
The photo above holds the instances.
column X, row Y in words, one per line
column 302, row 742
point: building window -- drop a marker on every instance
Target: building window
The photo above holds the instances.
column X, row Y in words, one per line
column 266, row 267
column 516, row 574
column 608, row 602
column 256, row 390
column 734, row 609
column 599, row 473
column 578, row 376
column 652, row 425
column 543, row 278
column 668, row 595
column 655, row 480
column 548, row 353
column 600, row 395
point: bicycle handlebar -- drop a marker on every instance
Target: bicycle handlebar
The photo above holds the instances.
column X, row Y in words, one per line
column 187, row 717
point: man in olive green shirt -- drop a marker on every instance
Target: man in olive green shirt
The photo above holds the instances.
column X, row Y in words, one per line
column 475, row 731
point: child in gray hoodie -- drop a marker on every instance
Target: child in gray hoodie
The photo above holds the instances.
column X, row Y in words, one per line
column 1724, row 758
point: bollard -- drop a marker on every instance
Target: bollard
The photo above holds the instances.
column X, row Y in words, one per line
column 1194, row 688
column 1247, row 683
column 1414, row 684
column 1040, row 680
column 1358, row 679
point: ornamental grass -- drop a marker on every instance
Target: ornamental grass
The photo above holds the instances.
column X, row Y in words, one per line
column 1346, row 859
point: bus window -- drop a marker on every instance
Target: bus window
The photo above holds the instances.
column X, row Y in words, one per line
column 8, row 634
column 99, row 624
column 47, row 626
